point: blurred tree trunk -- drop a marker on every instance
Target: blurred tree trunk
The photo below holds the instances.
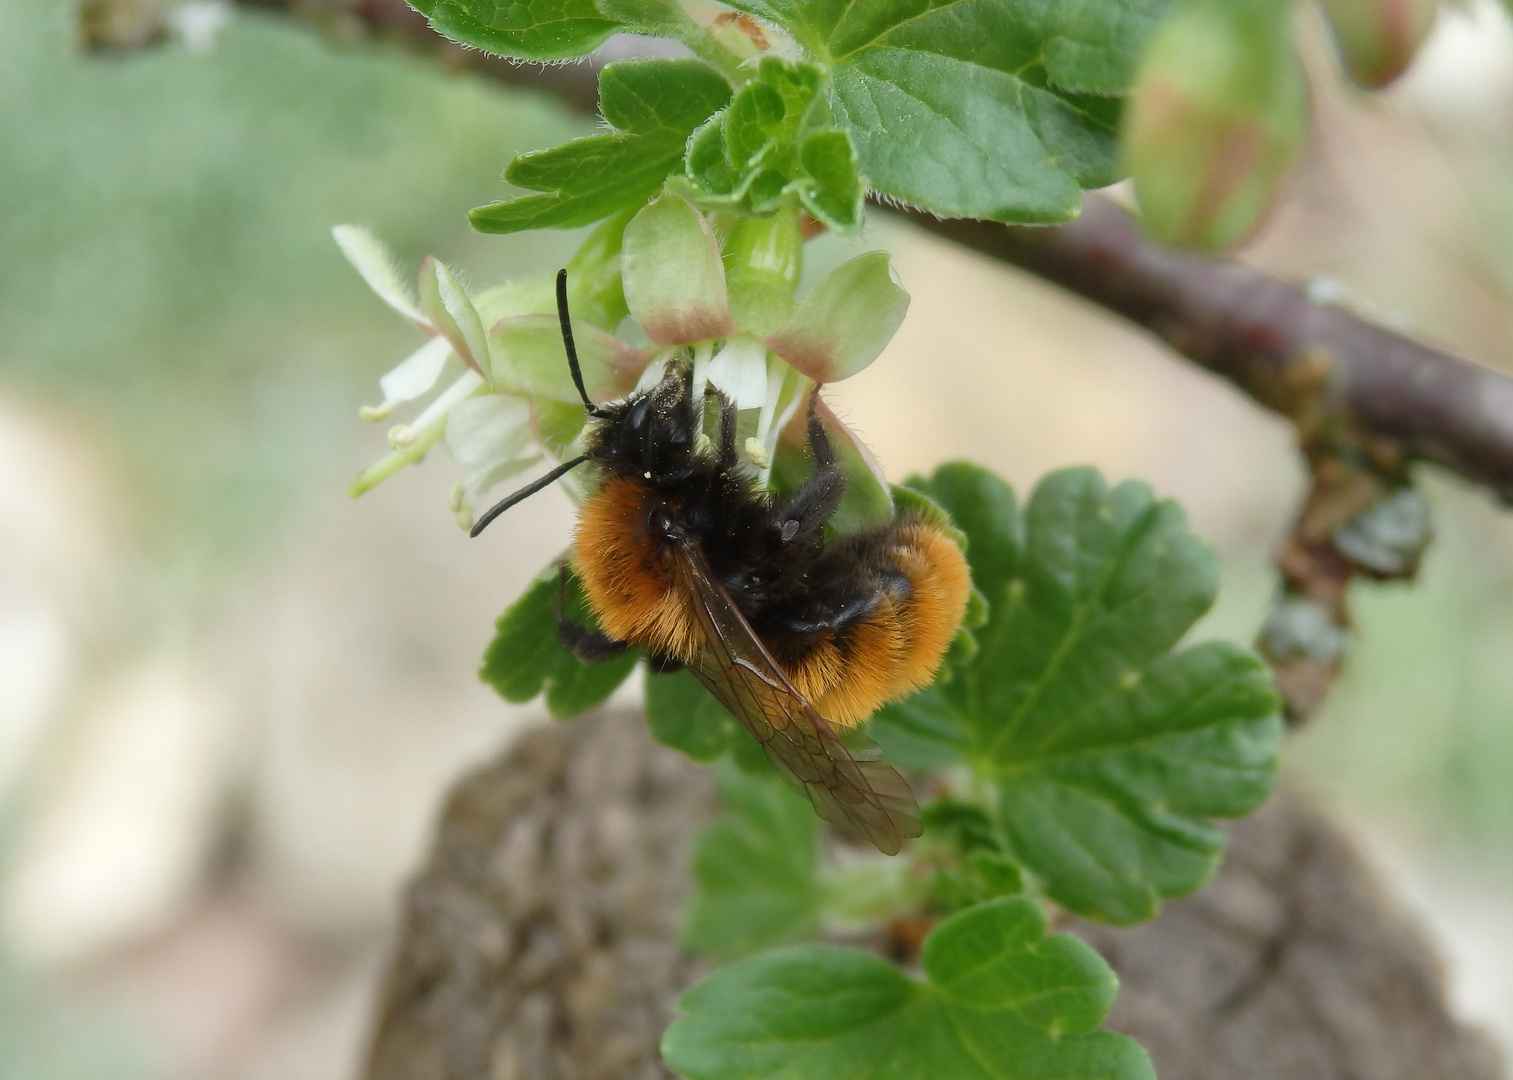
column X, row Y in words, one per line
column 539, row 941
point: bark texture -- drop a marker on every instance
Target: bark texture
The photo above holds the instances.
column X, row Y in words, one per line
column 1291, row 963
column 538, row 942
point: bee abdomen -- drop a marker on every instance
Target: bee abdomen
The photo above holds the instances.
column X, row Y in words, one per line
column 897, row 645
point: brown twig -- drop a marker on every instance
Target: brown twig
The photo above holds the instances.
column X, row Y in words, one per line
column 1347, row 384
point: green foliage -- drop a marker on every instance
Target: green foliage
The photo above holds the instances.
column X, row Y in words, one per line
column 684, row 715
column 526, row 29
column 526, row 658
column 1106, row 749
column 996, row 109
column 973, row 868
column 754, row 869
column 653, row 105
column 774, row 144
column 919, row 732
column 1001, row 1000
column 951, row 109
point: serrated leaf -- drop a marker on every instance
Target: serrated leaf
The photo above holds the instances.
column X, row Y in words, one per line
column 980, row 108
column 1093, row 46
column 1002, row 1001
column 685, row 716
column 654, row 105
column 754, row 868
column 526, row 658
column 525, row 29
column 1109, row 751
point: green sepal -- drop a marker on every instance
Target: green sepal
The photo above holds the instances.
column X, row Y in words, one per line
column 526, row 658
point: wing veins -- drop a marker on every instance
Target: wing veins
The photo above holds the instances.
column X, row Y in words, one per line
column 866, row 796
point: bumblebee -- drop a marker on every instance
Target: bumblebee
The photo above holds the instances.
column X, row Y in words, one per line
column 680, row 552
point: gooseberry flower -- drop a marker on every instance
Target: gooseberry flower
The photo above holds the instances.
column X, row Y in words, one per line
column 492, row 382
column 1377, row 39
column 1216, row 120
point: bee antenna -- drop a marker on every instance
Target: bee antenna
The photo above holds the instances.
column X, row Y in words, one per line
column 567, row 343
column 525, row 493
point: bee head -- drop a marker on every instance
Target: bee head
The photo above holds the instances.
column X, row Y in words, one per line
column 652, row 432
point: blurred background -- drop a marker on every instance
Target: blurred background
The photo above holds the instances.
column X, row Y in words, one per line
column 230, row 697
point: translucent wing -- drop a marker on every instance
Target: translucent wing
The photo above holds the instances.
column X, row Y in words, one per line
column 864, row 795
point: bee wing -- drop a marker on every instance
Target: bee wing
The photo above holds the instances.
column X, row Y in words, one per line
column 865, row 795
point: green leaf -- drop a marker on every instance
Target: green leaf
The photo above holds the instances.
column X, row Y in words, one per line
column 685, row 716
column 754, row 869
column 1002, row 1001
column 1093, row 48
column 526, row 29
column 962, row 844
column 526, row 658
column 654, row 105
column 978, row 108
column 920, row 732
column 1108, row 749
column 832, row 191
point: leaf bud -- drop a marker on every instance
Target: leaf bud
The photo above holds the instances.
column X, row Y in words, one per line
column 1377, row 39
column 763, row 259
column 1218, row 114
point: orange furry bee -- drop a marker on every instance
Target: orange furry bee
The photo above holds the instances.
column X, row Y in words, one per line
column 679, row 552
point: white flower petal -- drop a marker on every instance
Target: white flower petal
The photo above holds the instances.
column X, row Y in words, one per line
column 739, row 370
column 413, row 377
column 442, row 404
column 484, row 432
column 370, row 258
column 654, row 371
column 476, row 485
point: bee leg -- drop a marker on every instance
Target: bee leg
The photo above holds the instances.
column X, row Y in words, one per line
column 727, row 459
column 587, row 646
column 819, row 442
column 663, row 665
column 807, row 510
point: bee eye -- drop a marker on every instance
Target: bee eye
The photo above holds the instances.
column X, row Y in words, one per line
column 788, row 531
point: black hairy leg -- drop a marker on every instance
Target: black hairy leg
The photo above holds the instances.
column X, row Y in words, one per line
column 804, row 513
column 663, row 665
column 587, row 646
